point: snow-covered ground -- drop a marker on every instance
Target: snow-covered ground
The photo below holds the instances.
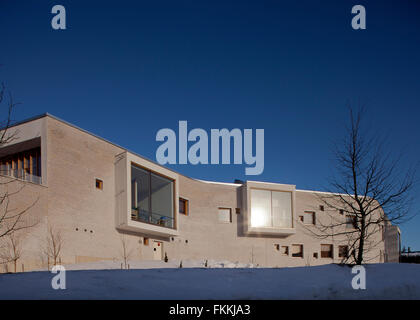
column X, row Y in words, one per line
column 153, row 264
column 167, row 281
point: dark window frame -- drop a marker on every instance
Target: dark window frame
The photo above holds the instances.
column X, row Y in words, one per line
column 186, row 206
column 327, row 254
column 149, row 174
column 99, row 184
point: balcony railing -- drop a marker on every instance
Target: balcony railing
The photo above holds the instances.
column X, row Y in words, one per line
column 20, row 174
column 152, row 218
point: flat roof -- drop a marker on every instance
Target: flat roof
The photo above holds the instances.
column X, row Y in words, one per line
column 135, row 153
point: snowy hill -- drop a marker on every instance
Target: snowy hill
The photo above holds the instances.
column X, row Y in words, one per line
column 383, row 281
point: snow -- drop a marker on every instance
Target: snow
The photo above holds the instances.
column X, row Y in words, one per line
column 159, row 280
column 153, row 264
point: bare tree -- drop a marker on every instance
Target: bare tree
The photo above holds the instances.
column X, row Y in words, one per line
column 11, row 249
column 6, row 136
column 126, row 251
column 53, row 245
column 370, row 190
column 11, row 219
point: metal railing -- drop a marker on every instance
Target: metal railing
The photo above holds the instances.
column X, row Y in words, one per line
column 152, row 218
column 19, row 174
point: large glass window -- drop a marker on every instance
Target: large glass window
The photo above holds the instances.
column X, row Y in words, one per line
column 271, row 209
column 152, row 197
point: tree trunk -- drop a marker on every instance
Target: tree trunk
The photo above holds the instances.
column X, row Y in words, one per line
column 361, row 241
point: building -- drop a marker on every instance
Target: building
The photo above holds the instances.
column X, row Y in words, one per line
column 94, row 193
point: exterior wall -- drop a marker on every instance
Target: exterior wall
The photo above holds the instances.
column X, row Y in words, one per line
column 84, row 214
column 392, row 244
column 89, row 219
column 209, row 239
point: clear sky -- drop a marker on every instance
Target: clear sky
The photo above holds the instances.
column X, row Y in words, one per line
column 125, row 69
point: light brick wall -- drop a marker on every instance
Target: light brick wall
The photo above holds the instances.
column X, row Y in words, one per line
column 70, row 203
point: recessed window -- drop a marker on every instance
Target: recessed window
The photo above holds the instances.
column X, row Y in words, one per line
column 238, row 210
column 24, row 165
column 326, row 250
column 152, row 198
column 321, row 207
column 271, row 209
column 225, row 215
column 146, row 241
column 341, row 211
column 309, row 217
column 99, row 184
column 297, row 250
column 183, row 206
column 343, row 251
column 315, row 255
column 285, row 250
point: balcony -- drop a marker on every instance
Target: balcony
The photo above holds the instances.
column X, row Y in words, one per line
column 152, row 218
column 20, row 174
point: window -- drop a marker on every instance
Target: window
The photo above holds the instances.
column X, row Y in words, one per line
column 343, row 251
column 297, row 250
column 99, row 184
column 301, row 219
column 146, row 241
column 277, row 247
column 183, row 206
column 321, row 207
column 326, row 250
column 24, row 165
column 341, row 211
column 285, row 250
column 152, row 198
column 271, row 209
column 315, row 255
column 351, row 222
column 225, row 215
column 309, row 217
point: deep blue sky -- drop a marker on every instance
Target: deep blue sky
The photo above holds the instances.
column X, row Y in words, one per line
column 125, row 69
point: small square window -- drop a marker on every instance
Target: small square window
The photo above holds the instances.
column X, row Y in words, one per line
column 99, row 184
column 341, row 211
column 225, row 215
column 146, row 241
column 321, row 207
column 238, row 210
column 301, row 218
column 183, row 206
column 309, row 217
column 343, row 251
column 326, row 250
column 297, row 250
column 285, row 250
column 316, row 255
